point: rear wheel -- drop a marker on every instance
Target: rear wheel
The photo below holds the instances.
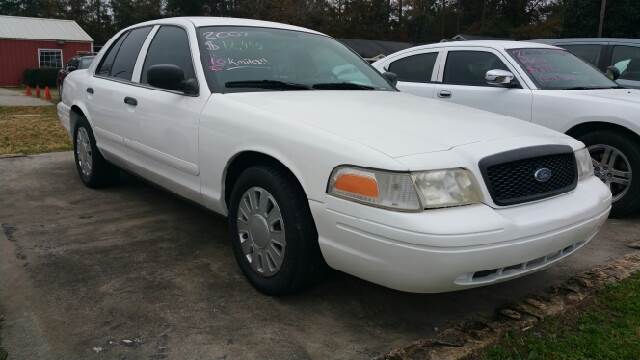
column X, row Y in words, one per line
column 273, row 235
column 615, row 159
column 93, row 169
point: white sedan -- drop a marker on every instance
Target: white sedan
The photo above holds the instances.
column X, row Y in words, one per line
column 317, row 160
column 539, row 83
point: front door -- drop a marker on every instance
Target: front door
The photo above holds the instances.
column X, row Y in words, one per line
column 169, row 119
column 462, row 81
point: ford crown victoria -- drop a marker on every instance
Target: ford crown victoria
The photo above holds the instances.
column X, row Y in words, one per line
column 318, row 162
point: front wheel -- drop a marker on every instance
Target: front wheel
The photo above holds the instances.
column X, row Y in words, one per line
column 273, row 234
column 615, row 159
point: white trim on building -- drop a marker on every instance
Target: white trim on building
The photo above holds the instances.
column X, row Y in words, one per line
column 46, row 54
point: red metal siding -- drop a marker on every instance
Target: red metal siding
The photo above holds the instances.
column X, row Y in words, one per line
column 19, row 55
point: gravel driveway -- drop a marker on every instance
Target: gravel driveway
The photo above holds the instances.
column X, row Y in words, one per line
column 132, row 272
column 10, row 97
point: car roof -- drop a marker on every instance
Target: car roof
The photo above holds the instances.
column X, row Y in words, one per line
column 586, row 40
column 199, row 21
column 494, row 44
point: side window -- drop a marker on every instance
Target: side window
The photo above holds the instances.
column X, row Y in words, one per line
column 589, row 53
column 466, row 67
column 169, row 46
column 627, row 60
column 128, row 54
column 415, row 68
column 106, row 63
column 122, row 56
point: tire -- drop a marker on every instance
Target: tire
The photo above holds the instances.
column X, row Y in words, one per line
column 94, row 170
column 627, row 200
column 300, row 263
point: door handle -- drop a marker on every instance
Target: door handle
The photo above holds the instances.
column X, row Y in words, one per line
column 131, row 101
column 90, row 90
column 444, row 94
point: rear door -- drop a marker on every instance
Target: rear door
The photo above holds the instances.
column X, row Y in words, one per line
column 416, row 72
column 115, row 121
column 463, row 82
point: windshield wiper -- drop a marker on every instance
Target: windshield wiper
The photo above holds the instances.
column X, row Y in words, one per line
column 266, row 84
column 341, row 86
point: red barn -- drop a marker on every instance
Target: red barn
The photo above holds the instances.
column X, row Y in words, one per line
column 28, row 43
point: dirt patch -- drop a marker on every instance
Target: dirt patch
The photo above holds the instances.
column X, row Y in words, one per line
column 465, row 339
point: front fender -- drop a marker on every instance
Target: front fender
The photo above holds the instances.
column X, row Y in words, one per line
column 631, row 125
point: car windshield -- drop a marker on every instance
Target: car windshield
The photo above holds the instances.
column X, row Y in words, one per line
column 85, row 62
column 556, row 69
column 241, row 59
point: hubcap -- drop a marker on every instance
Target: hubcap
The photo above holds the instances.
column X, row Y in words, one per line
column 83, row 151
column 612, row 167
column 261, row 231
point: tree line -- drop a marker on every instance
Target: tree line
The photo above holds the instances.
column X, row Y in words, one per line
column 416, row 21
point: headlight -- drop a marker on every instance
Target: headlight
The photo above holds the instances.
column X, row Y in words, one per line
column 405, row 191
column 379, row 188
column 584, row 163
column 449, row 187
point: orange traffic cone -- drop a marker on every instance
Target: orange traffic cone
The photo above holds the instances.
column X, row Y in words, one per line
column 28, row 91
column 37, row 90
column 47, row 93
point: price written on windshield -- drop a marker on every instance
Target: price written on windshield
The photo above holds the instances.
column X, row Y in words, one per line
column 228, row 63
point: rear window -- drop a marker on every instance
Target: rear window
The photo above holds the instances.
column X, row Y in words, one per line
column 415, row 68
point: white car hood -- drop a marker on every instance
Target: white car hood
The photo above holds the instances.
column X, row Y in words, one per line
column 397, row 124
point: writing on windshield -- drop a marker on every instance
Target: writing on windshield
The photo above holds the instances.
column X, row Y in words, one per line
column 556, row 69
column 268, row 59
column 217, row 42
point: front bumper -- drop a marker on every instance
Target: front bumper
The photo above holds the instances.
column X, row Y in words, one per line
column 457, row 248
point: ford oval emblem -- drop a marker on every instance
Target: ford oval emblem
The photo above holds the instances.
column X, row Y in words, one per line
column 543, row 174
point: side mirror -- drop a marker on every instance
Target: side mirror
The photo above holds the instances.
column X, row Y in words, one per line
column 171, row 77
column 612, row 73
column 190, row 87
column 500, row 78
column 71, row 68
column 392, row 78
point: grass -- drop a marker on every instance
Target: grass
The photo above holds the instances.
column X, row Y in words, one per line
column 31, row 130
column 606, row 328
